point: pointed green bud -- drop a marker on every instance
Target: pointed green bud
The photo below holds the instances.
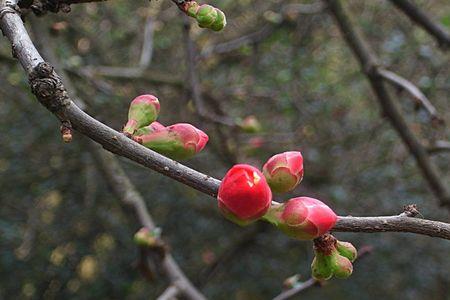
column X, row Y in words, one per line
column 206, row 15
column 343, row 267
column 143, row 111
column 347, row 250
column 220, row 22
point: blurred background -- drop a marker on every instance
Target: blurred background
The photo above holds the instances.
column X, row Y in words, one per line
column 64, row 235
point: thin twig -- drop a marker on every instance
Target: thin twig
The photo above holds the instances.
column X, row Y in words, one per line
column 422, row 19
column 147, row 45
column 412, row 89
column 194, row 82
column 439, row 146
column 169, row 294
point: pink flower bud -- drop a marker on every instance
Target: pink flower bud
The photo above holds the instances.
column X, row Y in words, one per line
column 284, row 171
column 306, row 218
column 143, row 111
column 244, row 195
column 178, row 141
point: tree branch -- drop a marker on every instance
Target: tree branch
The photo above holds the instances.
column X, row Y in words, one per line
column 13, row 28
column 369, row 64
column 439, row 146
column 194, row 82
column 422, row 19
column 413, row 90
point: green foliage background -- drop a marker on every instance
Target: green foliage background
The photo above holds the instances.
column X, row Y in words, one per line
column 64, row 235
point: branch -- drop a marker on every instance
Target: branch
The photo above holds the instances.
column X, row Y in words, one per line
column 169, row 294
column 439, row 146
column 115, row 142
column 422, row 19
column 194, row 82
column 413, row 90
column 393, row 224
column 370, row 66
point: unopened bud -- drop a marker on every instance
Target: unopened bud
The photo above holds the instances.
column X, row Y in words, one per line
column 347, row 250
column 244, row 195
column 206, row 15
column 284, row 171
column 220, row 22
column 143, row 111
column 178, row 141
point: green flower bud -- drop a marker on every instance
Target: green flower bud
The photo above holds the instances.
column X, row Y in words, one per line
column 143, row 111
column 206, row 15
column 220, row 22
column 329, row 261
column 347, row 250
column 192, row 8
column 323, row 266
column 147, row 238
column 343, row 267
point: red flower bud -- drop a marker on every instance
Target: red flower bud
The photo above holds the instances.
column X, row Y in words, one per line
column 284, row 171
column 305, row 218
column 178, row 141
column 143, row 111
column 244, row 195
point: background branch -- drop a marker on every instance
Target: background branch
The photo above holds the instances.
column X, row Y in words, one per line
column 419, row 17
column 369, row 64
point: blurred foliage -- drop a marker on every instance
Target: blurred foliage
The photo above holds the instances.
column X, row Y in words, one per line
column 64, row 235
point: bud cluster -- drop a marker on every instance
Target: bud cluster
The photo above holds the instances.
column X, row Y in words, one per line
column 207, row 16
column 178, row 141
column 245, row 195
column 332, row 258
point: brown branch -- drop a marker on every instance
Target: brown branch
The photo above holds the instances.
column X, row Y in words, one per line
column 422, row 19
column 13, row 28
column 370, row 66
